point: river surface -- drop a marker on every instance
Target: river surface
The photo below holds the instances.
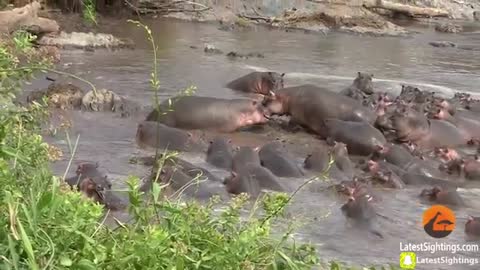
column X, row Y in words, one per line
column 327, row 60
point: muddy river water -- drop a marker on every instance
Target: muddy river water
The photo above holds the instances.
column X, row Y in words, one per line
column 327, row 60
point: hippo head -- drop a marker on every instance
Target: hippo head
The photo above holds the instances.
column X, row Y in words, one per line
column 274, row 82
column 363, row 82
column 275, row 104
column 251, row 114
column 92, row 190
column 85, row 167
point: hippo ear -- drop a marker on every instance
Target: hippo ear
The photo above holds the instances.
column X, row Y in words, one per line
column 254, row 102
column 272, row 93
column 229, row 141
column 359, row 74
column 189, row 134
column 282, row 75
column 371, row 75
column 234, row 174
column 256, row 149
column 211, row 142
column 97, row 164
column 470, row 218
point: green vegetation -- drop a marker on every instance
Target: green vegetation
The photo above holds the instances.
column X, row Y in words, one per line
column 46, row 225
column 89, row 11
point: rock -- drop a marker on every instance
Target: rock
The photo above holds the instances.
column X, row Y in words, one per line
column 106, row 100
column 211, row 49
column 26, row 18
column 448, row 28
column 60, row 95
column 78, row 40
column 442, row 44
column 233, row 54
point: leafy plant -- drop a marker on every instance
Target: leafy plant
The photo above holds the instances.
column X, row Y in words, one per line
column 89, row 11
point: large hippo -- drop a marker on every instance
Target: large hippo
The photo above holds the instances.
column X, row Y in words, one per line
column 208, row 113
column 468, row 127
column 156, row 135
column 258, row 82
column 278, row 161
column 220, row 153
column 361, row 138
column 309, row 105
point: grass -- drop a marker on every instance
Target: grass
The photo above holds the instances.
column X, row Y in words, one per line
column 46, row 225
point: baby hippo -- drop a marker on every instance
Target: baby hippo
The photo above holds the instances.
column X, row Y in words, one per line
column 361, row 212
column 220, row 153
column 258, row 82
column 278, row 161
column 89, row 170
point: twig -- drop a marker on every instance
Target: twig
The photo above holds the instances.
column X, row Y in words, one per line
column 71, row 158
column 54, row 71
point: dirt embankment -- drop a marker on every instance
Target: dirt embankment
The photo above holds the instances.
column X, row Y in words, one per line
column 359, row 16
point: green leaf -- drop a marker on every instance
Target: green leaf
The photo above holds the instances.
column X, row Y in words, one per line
column 65, row 261
column 85, row 265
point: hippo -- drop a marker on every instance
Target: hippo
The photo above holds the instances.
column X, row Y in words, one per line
column 208, row 113
column 220, row 153
column 361, row 138
column 339, row 152
column 361, row 86
column 388, row 179
column 318, row 160
column 472, row 228
column 180, row 182
column 468, row 127
column 443, row 133
column 89, row 170
column 101, row 195
column 466, row 168
column 309, row 105
column 399, row 156
column 278, row 161
column 354, row 188
column 244, row 157
column 252, row 179
column 157, row 135
column 258, row 82
column 409, row 125
column 360, row 210
column 443, row 196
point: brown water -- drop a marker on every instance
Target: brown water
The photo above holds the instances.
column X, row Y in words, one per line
column 328, row 60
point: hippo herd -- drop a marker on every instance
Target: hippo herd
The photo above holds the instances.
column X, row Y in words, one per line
column 363, row 138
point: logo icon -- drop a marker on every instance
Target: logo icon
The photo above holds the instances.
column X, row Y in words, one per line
column 408, row 260
column 438, row 221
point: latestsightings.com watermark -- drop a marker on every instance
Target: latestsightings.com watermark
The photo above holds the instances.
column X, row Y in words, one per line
column 438, row 222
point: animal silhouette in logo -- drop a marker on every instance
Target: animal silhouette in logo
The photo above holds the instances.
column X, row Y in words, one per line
column 438, row 221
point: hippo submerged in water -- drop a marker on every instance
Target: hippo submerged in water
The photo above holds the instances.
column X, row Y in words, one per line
column 258, row 82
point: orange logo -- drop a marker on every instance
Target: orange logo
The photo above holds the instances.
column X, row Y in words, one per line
column 438, row 221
